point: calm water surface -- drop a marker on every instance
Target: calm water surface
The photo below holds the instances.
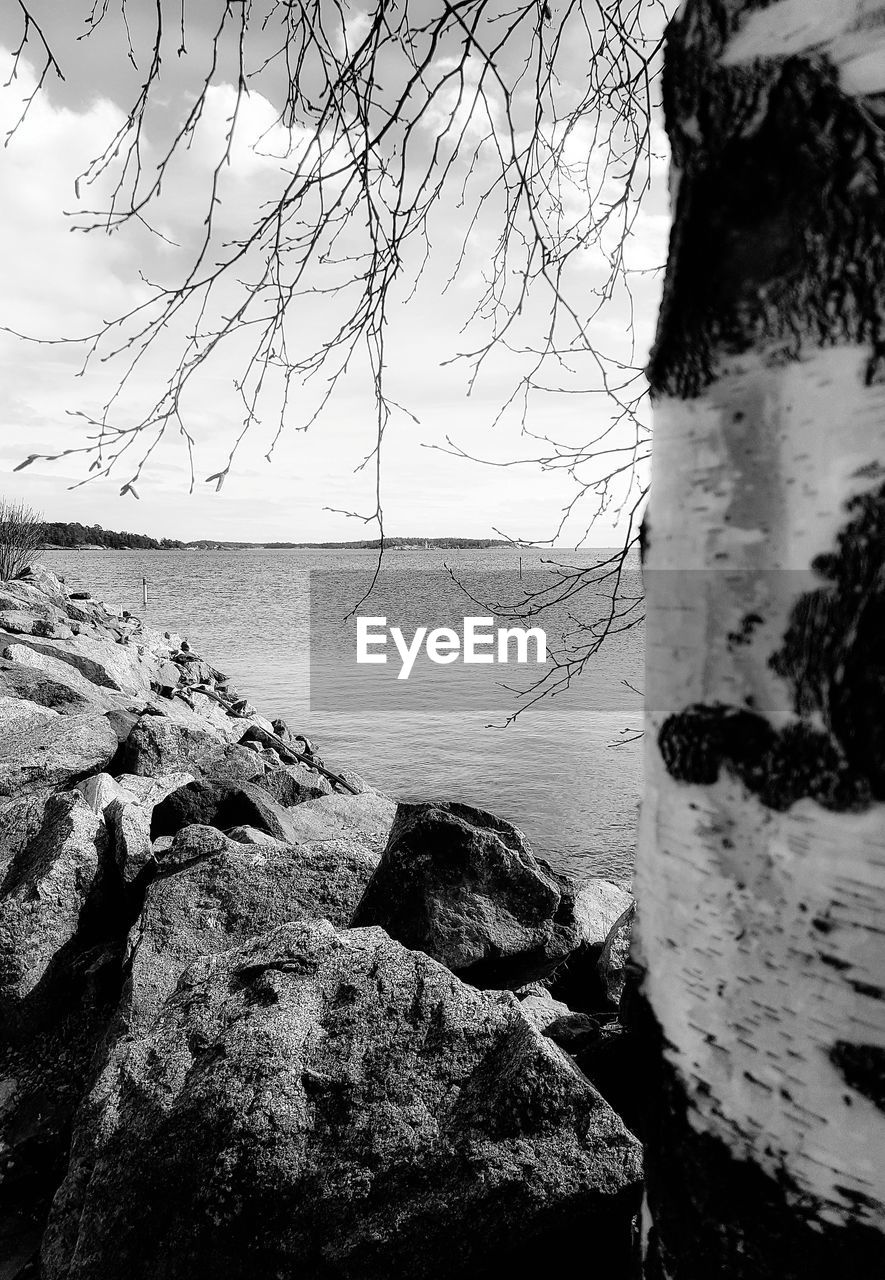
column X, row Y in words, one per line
column 566, row 772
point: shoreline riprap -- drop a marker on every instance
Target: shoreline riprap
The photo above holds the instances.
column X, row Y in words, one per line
column 257, row 1019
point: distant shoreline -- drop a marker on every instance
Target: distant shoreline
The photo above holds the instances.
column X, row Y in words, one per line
column 62, row 535
column 390, row 544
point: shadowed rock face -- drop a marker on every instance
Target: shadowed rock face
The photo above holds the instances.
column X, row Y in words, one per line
column 44, row 893
column 218, row 803
column 328, row 1104
column 464, row 887
column 579, row 981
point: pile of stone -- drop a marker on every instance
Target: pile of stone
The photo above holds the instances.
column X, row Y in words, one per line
column 255, row 1021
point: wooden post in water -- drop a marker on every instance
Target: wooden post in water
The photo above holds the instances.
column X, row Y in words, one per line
column 144, row 598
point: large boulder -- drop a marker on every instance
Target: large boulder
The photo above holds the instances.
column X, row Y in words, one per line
column 327, row 1104
column 102, row 662
column 206, row 802
column 238, row 764
column 352, row 821
column 200, row 713
column 44, row 894
column 45, row 584
column 292, row 784
column 212, row 893
column 22, row 662
column 464, row 887
column 158, row 745
column 214, row 802
column 101, row 789
column 18, row 680
column 41, row 750
column 16, row 597
column 21, row 623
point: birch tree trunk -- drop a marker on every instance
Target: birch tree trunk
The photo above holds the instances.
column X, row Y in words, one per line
column 761, row 873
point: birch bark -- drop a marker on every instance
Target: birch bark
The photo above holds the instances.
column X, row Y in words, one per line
column 761, row 871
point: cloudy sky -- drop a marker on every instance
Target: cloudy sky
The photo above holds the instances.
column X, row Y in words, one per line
column 59, row 282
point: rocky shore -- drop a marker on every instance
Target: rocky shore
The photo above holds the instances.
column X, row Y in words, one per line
column 259, row 1020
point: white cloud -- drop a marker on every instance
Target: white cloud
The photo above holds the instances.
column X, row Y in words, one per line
column 56, row 281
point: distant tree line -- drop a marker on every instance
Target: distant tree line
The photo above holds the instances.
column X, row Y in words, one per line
column 69, row 535
column 81, row 535
column 373, row 544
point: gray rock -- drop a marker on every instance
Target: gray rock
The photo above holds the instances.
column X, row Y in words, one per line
column 130, row 824
column 574, row 1032
column 615, row 954
column 292, row 784
column 238, row 764
column 20, row 623
column 464, row 886
column 362, row 821
column 168, row 673
column 202, row 715
column 539, row 1008
column 46, row 1067
column 15, row 596
column 127, row 804
column 358, row 782
column 149, row 792
column 27, row 682
column 157, row 745
column 102, row 663
column 100, row 791
column 81, row 612
column 43, row 581
column 122, row 722
column 212, row 893
column 20, row 818
column 191, row 669
column 252, row 835
column 44, row 893
column 26, row 659
column 598, row 904
column 325, row 1104
column 207, row 802
column 41, row 750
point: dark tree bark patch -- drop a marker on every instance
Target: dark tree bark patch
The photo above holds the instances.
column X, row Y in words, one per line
column 779, row 228
column 833, row 659
column 862, row 1067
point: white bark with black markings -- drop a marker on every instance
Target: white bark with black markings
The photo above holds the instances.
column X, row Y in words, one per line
column 761, row 874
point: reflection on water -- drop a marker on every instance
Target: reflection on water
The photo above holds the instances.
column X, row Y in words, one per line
column 555, row 771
